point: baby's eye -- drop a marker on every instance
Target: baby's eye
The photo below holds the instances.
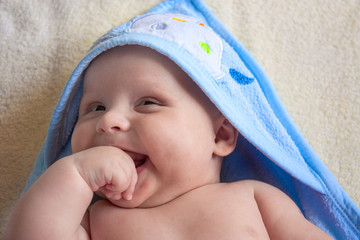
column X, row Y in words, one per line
column 98, row 108
column 148, row 105
column 148, row 102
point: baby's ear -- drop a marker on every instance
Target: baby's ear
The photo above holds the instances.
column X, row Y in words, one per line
column 226, row 137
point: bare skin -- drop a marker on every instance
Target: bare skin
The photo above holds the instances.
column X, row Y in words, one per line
column 154, row 154
column 204, row 213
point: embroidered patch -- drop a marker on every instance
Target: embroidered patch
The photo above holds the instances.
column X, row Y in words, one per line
column 239, row 77
column 189, row 34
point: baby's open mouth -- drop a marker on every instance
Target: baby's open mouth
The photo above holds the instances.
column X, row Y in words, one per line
column 139, row 159
column 139, row 163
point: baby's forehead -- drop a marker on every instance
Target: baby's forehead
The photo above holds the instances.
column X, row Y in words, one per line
column 137, row 62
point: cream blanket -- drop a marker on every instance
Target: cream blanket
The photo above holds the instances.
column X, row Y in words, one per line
column 310, row 50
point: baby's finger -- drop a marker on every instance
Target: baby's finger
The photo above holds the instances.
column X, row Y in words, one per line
column 128, row 193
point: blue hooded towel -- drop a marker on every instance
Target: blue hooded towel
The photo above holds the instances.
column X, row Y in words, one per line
column 270, row 147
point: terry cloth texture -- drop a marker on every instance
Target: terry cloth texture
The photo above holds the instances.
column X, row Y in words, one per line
column 310, row 56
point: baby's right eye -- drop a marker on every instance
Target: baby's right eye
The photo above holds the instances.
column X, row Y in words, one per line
column 98, row 108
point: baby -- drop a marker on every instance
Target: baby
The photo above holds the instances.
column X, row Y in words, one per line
column 151, row 144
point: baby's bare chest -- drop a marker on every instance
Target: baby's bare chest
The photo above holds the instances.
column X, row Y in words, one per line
column 187, row 218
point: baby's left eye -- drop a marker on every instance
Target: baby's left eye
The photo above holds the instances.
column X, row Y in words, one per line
column 98, row 108
column 148, row 102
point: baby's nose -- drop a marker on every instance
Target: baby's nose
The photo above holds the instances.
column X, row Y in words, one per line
column 112, row 122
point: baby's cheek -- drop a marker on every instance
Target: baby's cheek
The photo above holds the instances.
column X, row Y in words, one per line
column 81, row 138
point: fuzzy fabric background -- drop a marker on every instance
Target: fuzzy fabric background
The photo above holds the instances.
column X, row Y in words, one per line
column 310, row 49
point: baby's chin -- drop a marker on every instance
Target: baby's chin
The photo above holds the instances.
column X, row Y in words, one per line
column 126, row 203
column 137, row 203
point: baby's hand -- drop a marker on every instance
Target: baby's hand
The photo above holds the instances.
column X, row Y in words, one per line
column 108, row 171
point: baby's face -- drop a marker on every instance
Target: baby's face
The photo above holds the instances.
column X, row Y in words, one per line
column 139, row 101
